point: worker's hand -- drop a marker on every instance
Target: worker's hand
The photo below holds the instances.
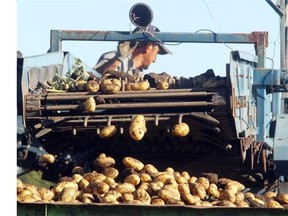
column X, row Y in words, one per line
column 125, row 49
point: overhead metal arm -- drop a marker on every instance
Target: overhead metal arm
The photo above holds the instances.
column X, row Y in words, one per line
column 259, row 39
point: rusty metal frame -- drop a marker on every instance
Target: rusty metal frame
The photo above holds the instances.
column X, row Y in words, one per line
column 259, row 39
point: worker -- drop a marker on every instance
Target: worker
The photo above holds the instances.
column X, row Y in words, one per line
column 132, row 57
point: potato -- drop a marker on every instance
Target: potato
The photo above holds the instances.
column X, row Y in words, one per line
column 144, row 186
column 94, row 177
column 273, row 204
column 115, row 193
column 172, row 181
column 139, row 119
column 108, row 131
column 176, row 174
column 47, row 158
column 142, row 195
column 83, row 183
column 227, row 195
column 103, row 162
column 133, row 179
column 137, row 128
column 226, row 203
column 183, row 189
column 156, row 186
column 256, row 202
column 151, row 170
column 169, row 194
column 198, row 190
column 134, row 202
column 78, row 170
column 282, row 198
column 127, row 197
column 20, row 186
column 77, row 177
column 162, row 85
column 68, row 194
column 234, row 186
column 90, row 104
column 224, row 181
column 180, row 129
column 249, row 195
column 130, row 162
column 140, row 86
column 111, row 182
column 92, row 86
column 163, row 176
column 25, row 196
column 144, row 177
column 60, row 186
column 102, row 187
column 270, row 194
column 125, row 188
column 203, row 181
column 171, row 187
column 173, row 201
column 109, row 198
column 190, row 199
column 206, row 204
column 86, row 199
column 80, row 85
column 213, row 191
column 157, row 201
column 186, row 175
column 169, row 169
column 30, row 187
column 110, row 85
column 86, row 195
column 241, row 203
column 45, row 194
column 137, row 131
column 239, row 196
column 181, row 179
column 212, row 177
column 111, row 172
column 192, row 179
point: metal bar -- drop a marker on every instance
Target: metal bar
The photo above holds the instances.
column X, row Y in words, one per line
column 75, row 96
column 128, row 105
column 48, row 122
column 83, row 35
column 43, row 132
column 275, row 8
column 260, row 39
column 123, row 117
column 282, row 37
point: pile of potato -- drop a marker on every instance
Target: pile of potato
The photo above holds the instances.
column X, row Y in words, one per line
column 144, row 184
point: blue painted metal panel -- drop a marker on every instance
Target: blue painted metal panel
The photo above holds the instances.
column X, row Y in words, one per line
column 269, row 105
column 267, row 77
column 243, row 105
column 281, row 138
column 280, row 148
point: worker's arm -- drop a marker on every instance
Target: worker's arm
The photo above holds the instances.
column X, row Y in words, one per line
column 105, row 63
column 116, row 60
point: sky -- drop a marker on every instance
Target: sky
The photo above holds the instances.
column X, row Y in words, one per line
column 35, row 19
